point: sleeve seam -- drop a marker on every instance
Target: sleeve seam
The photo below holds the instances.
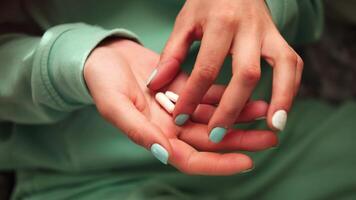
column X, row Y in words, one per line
column 45, row 79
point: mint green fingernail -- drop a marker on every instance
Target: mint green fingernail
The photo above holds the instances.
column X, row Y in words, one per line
column 181, row 119
column 160, row 153
column 217, row 134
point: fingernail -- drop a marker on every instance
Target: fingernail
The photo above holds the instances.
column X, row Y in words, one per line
column 160, row 153
column 181, row 119
column 153, row 74
column 247, row 170
column 260, row 118
column 217, row 134
column 279, row 119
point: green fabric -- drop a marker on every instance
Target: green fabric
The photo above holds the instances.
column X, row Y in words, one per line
column 315, row 160
column 61, row 148
column 299, row 21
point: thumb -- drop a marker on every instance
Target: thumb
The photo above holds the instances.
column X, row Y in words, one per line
column 126, row 116
column 171, row 58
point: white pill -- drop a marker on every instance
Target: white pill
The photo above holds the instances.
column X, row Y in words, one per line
column 172, row 96
column 164, row 101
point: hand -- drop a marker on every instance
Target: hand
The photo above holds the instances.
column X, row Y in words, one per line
column 245, row 30
column 115, row 73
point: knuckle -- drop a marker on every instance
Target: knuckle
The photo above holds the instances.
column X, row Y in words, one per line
column 251, row 16
column 180, row 20
column 290, row 56
column 207, row 73
column 227, row 17
column 251, row 75
column 181, row 16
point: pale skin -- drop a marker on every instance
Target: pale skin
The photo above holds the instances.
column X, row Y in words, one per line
column 244, row 29
column 116, row 80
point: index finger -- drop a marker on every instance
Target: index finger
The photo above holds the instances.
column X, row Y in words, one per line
column 172, row 56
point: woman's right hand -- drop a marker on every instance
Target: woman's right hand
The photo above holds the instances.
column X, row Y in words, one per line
column 115, row 73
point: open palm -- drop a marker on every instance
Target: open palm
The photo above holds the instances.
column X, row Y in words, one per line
column 115, row 73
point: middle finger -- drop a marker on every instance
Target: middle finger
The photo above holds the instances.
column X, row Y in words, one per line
column 215, row 46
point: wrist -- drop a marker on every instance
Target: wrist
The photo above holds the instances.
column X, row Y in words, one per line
column 118, row 47
column 124, row 47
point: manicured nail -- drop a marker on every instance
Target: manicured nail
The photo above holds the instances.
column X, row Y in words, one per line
column 260, row 118
column 153, row 74
column 247, row 170
column 279, row 119
column 181, row 119
column 217, row 134
column 160, row 153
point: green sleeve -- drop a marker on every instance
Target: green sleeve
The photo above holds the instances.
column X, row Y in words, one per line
column 299, row 21
column 41, row 78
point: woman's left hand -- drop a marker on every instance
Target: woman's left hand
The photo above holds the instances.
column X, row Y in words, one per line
column 243, row 28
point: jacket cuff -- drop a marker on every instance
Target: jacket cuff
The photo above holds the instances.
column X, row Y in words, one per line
column 59, row 63
column 299, row 21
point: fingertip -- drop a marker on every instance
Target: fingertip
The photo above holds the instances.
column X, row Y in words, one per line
column 181, row 119
column 160, row 153
column 254, row 110
column 217, row 134
column 237, row 163
column 269, row 139
column 278, row 120
column 246, row 162
column 161, row 149
column 253, row 140
column 163, row 74
column 264, row 140
column 160, row 146
column 263, row 105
